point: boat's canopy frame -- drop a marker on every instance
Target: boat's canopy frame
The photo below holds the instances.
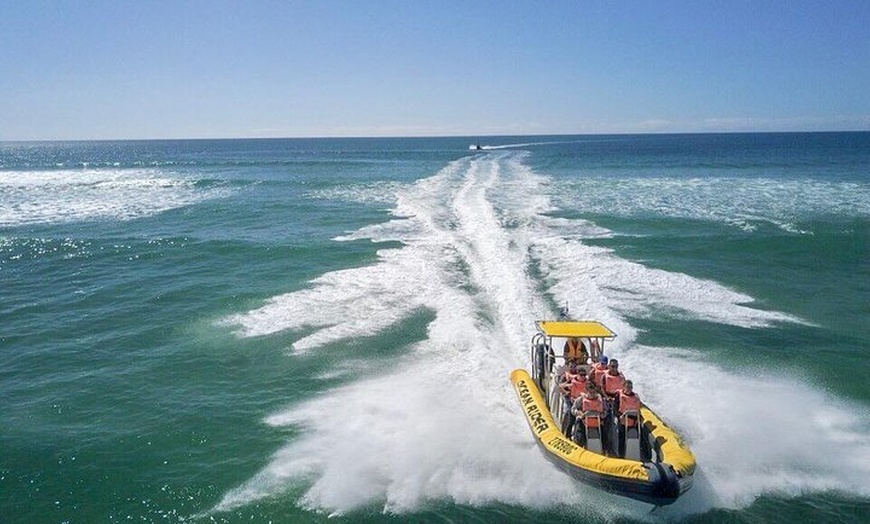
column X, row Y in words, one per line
column 543, row 355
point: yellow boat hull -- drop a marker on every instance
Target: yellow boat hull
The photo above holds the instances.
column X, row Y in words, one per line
column 657, row 482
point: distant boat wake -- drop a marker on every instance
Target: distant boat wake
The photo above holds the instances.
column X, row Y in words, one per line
column 519, row 145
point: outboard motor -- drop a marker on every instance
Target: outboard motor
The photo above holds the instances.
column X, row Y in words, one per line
column 668, row 486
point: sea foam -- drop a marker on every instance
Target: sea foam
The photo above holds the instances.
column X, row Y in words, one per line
column 71, row 195
column 745, row 203
column 443, row 423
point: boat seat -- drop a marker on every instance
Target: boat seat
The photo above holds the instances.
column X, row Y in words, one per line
column 594, row 435
column 631, row 435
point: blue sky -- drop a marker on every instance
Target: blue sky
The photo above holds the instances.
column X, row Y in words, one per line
column 202, row 69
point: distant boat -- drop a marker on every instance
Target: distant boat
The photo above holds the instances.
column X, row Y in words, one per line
column 475, row 147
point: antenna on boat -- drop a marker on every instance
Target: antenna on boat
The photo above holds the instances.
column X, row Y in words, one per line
column 563, row 313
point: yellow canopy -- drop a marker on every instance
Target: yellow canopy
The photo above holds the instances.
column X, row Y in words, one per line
column 574, row 328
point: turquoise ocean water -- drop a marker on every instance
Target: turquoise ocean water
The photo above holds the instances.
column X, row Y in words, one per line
column 321, row 330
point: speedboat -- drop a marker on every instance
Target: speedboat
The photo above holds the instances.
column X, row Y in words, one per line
column 644, row 460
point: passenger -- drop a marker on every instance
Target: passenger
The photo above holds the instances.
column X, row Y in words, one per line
column 613, row 381
column 629, row 412
column 611, row 385
column 576, row 350
column 575, row 382
column 567, row 372
column 628, row 401
column 596, row 375
column 588, row 410
column 565, row 382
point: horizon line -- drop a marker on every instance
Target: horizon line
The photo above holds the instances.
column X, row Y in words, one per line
column 467, row 136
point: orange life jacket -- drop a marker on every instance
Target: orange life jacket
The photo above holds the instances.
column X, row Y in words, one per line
column 613, row 383
column 569, row 376
column 598, row 371
column 593, row 404
column 575, row 349
column 578, row 386
column 629, row 403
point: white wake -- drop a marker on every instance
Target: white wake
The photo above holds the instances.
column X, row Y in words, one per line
column 73, row 195
column 480, row 253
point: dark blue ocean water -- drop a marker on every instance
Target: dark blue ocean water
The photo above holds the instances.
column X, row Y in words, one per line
column 292, row 330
